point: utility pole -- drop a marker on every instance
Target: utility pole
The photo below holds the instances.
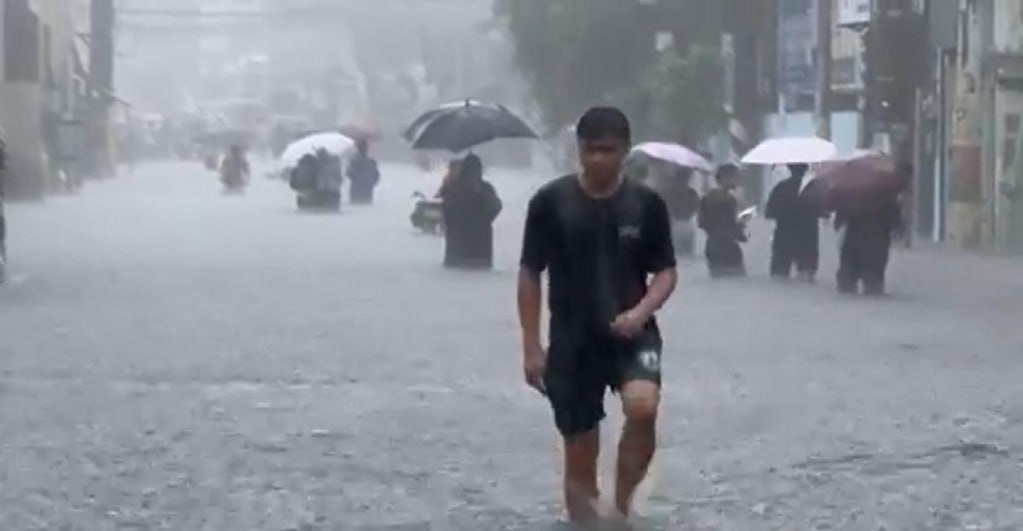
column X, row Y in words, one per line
column 824, row 10
column 101, row 63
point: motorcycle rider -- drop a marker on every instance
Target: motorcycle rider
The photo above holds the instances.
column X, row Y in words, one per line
column 234, row 169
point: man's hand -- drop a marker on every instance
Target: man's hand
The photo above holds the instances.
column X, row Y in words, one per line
column 534, row 365
column 630, row 324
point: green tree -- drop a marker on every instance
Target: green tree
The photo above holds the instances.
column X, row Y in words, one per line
column 687, row 96
column 577, row 53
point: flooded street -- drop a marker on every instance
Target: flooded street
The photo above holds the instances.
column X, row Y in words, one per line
column 173, row 358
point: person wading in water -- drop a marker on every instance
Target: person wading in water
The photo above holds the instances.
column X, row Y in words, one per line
column 605, row 243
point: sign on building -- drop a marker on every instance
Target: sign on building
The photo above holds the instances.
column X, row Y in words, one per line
column 796, row 43
column 853, row 13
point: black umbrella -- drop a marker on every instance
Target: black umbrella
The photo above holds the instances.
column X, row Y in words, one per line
column 458, row 127
column 412, row 131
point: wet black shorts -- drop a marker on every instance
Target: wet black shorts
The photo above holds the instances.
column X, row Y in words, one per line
column 580, row 371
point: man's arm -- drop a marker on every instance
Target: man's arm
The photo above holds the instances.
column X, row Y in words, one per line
column 661, row 262
column 535, row 257
column 530, row 299
column 663, row 265
column 662, row 286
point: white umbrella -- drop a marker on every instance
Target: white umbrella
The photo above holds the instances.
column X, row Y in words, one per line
column 858, row 153
column 676, row 154
column 334, row 143
column 793, row 150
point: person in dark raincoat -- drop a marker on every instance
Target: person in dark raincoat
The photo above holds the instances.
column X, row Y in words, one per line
column 317, row 180
column 302, row 177
column 234, row 168
column 470, row 207
column 329, row 181
column 797, row 232
column 363, row 174
column 867, row 241
column 718, row 217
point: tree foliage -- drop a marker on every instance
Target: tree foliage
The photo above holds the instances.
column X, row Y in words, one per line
column 577, row 53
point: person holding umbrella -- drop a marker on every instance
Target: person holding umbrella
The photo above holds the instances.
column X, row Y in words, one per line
column 470, row 207
column 865, row 194
column 796, row 234
column 363, row 174
column 470, row 204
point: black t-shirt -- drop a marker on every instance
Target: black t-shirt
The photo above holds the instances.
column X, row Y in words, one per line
column 599, row 253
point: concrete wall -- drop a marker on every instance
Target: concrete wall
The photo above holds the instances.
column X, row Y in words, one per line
column 22, row 104
column 20, row 116
column 1008, row 26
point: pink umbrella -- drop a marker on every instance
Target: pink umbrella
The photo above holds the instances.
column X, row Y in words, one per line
column 857, row 185
column 676, row 154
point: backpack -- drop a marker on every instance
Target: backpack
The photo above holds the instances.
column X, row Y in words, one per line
column 303, row 177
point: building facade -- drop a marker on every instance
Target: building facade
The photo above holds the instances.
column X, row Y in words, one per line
column 986, row 181
column 40, row 87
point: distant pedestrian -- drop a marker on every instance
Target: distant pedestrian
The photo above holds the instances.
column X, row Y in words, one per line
column 326, row 194
column 235, row 171
column 605, row 242
column 683, row 203
column 363, row 175
column 470, row 207
column 797, row 228
column 719, row 218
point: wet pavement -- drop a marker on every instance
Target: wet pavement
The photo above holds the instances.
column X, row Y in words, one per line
column 172, row 358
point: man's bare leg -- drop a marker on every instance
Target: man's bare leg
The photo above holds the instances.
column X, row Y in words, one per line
column 581, row 491
column 640, row 401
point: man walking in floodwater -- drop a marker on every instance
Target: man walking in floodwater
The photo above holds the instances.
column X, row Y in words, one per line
column 605, row 243
column 719, row 217
column 797, row 232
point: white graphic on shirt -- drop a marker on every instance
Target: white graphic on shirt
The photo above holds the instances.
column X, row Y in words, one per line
column 650, row 360
column 628, row 231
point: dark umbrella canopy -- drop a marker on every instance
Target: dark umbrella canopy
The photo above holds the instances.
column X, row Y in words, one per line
column 413, row 130
column 856, row 186
column 458, row 128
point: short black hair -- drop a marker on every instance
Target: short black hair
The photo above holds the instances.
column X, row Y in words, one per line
column 599, row 123
column 471, row 168
column 726, row 170
column 798, row 169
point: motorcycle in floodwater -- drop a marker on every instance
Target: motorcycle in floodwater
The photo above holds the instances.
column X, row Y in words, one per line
column 427, row 214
